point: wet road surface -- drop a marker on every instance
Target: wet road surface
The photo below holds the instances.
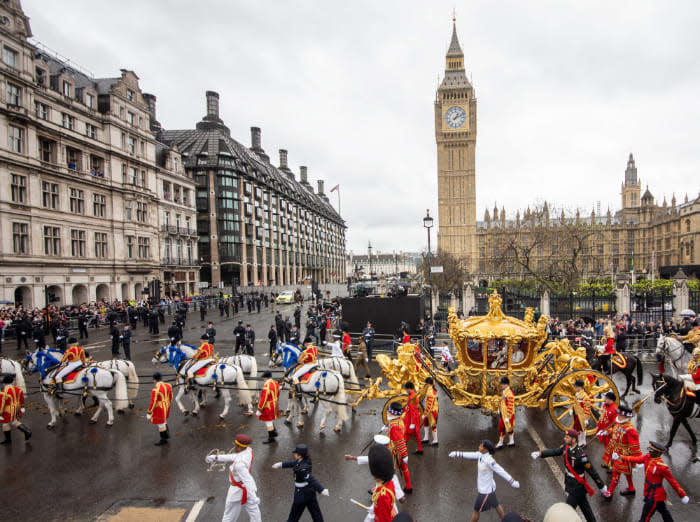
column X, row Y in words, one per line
column 88, row 472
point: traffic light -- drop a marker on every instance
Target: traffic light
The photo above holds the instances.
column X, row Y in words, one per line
column 157, row 289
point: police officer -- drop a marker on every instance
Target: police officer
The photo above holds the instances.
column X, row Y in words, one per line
column 297, row 317
column 174, row 334
column 294, row 336
column 305, row 485
column 115, row 337
column 368, row 336
column 272, row 336
column 153, row 322
column 249, row 340
column 239, row 335
column 22, row 327
column 202, row 310
column 211, row 332
column 126, row 341
column 62, row 335
column 38, row 335
column 576, row 464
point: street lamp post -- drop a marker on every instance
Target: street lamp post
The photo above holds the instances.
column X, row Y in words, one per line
column 369, row 249
column 428, row 224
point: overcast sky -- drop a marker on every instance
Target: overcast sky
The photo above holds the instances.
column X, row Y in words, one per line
column 566, row 90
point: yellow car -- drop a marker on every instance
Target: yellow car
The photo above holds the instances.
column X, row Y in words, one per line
column 286, row 297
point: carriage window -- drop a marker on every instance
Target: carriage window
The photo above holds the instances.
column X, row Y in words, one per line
column 519, row 353
column 475, row 351
column 497, row 354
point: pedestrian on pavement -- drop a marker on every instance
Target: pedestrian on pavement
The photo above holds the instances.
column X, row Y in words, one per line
column 242, row 491
column 249, row 340
column 202, row 310
column 368, row 336
column 115, row 337
column 126, row 341
column 430, row 412
column 362, row 358
column 268, row 406
column 272, row 336
column 486, row 486
column 655, row 471
column 305, row 485
column 11, row 409
column 577, row 465
column 159, row 409
column 239, row 334
column 506, row 424
column 211, row 332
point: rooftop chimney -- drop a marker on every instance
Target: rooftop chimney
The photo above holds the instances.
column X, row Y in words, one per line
column 320, row 187
column 154, row 125
column 303, row 176
column 212, row 105
column 283, row 159
column 255, row 138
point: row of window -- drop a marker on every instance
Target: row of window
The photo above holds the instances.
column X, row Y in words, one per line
column 51, row 198
column 78, row 243
column 176, row 193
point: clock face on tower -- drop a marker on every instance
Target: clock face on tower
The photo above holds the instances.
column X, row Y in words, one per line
column 455, row 117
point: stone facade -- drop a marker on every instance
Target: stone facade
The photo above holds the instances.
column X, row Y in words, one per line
column 455, row 135
column 257, row 223
column 79, row 178
column 383, row 263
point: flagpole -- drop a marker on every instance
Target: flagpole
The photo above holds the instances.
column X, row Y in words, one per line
column 338, row 200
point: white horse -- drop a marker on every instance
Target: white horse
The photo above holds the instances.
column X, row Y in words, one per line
column 128, row 370
column 326, row 386
column 247, row 363
column 14, row 368
column 673, row 351
column 215, row 376
column 89, row 380
column 287, row 354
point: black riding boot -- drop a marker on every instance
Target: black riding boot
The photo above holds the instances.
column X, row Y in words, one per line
column 274, row 433
column 24, row 429
column 167, row 432
column 8, row 437
column 270, row 437
column 163, row 439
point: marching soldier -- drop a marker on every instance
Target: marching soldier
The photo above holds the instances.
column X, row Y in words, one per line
column 430, row 413
column 249, row 340
column 305, row 485
column 203, row 356
column 398, row 443
column 243, row 492
column 582, row 410
column 126, row 341
column 73, row 358
column 62, row 335
column 211, row 332
column 655, row 471
column 159, row 409
column 11, row 409
column 577, row 465
column 607, row 420
column 383, row 508
column 486, row 486
column 506, row 424
column 382, row 440
column 411, row 416
column 624, row 440
column 268, row 406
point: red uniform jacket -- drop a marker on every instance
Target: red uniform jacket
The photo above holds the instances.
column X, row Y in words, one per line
column 610, row 346
column 206, row 351
column 406, row 339
column 269, row 399
column 397, row 443
column 607, row 420
column 431, row 407
column 309, row 355
column 11, row 404
column 384, row 502
column 655, row 471
column 347, row 342
column 161, row 398
column 624, row 440
column 74, row 354
column 411, row 414
column 696, row 376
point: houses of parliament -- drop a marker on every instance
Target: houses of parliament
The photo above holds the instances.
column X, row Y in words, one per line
column 644, row 235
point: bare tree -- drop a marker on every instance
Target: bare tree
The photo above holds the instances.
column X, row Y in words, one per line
column 453, row 272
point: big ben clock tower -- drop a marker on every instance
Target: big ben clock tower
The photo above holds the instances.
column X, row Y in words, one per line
column 455, row 134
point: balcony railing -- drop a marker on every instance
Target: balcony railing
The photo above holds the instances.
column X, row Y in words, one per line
column 178, row 230
column 178, row 261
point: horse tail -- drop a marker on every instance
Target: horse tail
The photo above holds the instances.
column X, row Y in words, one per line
column 19, row 378
column 341, row 397
column 132, row 380
column 121, row 400
column 640, row 371
column 243, row 392
column 253, row 367
column 353, row 375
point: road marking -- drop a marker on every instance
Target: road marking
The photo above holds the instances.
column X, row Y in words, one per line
column 194, row 512
column 556, row 471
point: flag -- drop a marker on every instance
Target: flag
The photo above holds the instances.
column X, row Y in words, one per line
column 335, row 188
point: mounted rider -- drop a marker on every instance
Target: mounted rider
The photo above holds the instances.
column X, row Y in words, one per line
column 201, row 358
column 307, row 360
column 74, row 359
column 691, row 380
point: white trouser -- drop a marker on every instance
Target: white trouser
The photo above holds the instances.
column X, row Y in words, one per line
column 689, row 382
column 233, row 505
column 196, row 366
column 303, row 369
column 71, row 366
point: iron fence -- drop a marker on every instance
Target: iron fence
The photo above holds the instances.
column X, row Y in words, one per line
column 590, row 308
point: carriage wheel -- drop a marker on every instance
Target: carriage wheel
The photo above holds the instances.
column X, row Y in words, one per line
column 561, row 399
column 402, row 399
